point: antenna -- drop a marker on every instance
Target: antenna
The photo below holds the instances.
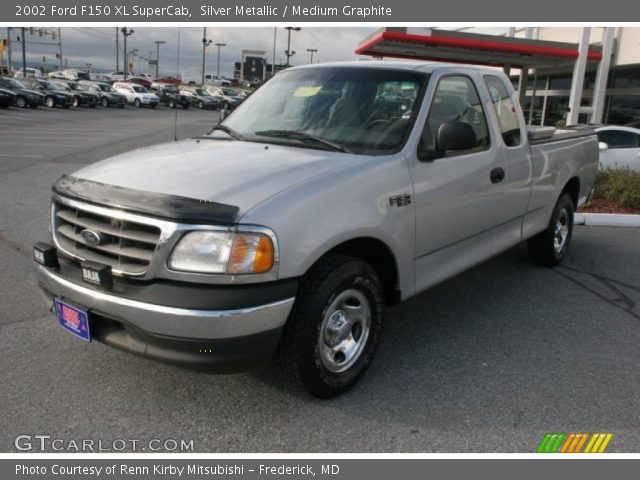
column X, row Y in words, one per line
column 175, row 124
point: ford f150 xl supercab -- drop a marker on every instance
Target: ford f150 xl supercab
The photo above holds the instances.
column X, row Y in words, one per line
column 333, row 191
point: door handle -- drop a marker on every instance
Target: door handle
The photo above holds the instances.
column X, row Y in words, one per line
column 497, row 175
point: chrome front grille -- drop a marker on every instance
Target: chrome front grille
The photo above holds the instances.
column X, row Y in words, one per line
column 125, row 245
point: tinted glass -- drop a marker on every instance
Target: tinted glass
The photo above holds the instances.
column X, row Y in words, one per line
column 364, row 110
column 455, row 100
column 505, row 108
column 618, row 138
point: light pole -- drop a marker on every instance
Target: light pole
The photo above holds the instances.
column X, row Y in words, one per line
column 158, row 43
column 311, row 50
column 131, row 58
column 140, row 60
column 288, row 51
column 205, row 44
column 219, row 45
column 126, row 33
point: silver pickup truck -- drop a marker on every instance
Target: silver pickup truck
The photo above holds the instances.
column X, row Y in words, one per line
column 332, row 192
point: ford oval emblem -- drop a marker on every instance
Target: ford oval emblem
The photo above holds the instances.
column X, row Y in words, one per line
column 92, row 238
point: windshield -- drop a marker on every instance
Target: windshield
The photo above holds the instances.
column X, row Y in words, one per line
column 105, row 87
column 15, row 83
column 53, row 85
column 350, row 107
column 139, row 89
column 202, row 93
column 229, row 92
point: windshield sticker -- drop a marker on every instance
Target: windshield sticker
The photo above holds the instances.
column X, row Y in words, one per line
column 306, row 91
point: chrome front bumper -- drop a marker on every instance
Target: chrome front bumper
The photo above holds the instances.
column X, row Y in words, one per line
column 168, row 321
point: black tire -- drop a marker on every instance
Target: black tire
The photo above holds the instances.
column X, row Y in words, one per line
column 104, row 102
column 304, row 339
column 75, row 102
column 137, row 103
column 153, row 105
column 185, row 106
column 21, row 101
column 200, row 104
column 122, row 105
column 50, row 102
column 550, row 246
column 93, row 105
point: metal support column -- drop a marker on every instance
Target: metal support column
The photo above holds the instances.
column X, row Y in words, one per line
column 522, row 84
column 578, row 77
column 600, row 88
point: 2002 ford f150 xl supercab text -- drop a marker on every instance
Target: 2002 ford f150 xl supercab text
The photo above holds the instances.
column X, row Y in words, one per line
column 333, row 191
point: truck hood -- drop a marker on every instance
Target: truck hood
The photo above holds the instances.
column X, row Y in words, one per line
column 236, row 173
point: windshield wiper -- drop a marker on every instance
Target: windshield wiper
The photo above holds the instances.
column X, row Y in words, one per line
column 302, row 137
column 228, row 130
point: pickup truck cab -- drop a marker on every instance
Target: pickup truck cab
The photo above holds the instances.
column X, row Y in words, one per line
column 333, row 192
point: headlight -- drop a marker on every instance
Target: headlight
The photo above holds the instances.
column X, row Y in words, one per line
column 223, row 252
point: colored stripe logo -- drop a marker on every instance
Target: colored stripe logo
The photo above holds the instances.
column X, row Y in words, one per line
column 574, row 443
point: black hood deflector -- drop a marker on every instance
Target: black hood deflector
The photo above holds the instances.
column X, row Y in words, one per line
column 170, row 207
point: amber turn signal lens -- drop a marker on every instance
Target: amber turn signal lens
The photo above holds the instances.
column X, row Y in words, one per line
column 251, row 253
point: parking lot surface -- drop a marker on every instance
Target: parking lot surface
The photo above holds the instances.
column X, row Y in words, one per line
column 488, row 361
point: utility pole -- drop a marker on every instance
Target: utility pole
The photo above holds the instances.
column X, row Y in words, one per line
column 205, row 44
column 9, row 49
column 126, row 33
column 273, row 59
column 60, row 45
column 311, row 50
column 117, row 50
column 158, row 43
column 219, row 45
column 288, row 52
column 24, row 55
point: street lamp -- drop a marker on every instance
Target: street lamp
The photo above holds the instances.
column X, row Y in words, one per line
column 140, row 60
column 131, row 58
column 205, row 44
column 158, row 43
column 126, row 33
column 219, row 45
column 288, row 51
column 312, row 50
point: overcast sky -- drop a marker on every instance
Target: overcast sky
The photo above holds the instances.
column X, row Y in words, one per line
column 96, row 45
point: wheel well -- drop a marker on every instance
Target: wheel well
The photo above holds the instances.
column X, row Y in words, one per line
column 377, row 254
column 573, row 189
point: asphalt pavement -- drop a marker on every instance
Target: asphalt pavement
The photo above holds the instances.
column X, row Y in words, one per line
column 488, row 361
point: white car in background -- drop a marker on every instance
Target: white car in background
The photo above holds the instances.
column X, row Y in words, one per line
column 619, row 147
column 31, row 73
column 137, row 95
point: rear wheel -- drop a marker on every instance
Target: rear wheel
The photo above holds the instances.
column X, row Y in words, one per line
column 104, row 102
column 200, row 104
column 49, row 102
column 550, row 246
column 137, row 103
column 75, row 102
column 335, row 326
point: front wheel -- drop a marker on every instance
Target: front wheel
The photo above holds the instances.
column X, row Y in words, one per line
column 171, row 103
column 104, row 102
column 21, row 102
column 137, row 103
column 550, row 246
column 200, row 104
column 50, row 102
column 335, row 326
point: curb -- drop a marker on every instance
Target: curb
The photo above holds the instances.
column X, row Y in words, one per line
column 606, row 220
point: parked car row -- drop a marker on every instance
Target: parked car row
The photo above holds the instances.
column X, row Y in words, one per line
column 59, row 92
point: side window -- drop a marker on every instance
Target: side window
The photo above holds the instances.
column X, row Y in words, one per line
column 618, row 138
column 455, row 100
column 506, row 111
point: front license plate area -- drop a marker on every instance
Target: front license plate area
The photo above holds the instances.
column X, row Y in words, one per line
column 73, row 319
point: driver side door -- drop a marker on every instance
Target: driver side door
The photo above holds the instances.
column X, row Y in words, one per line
column 458, row 194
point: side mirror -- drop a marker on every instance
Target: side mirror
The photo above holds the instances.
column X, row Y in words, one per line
column 603, row 146
column 455, row 136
